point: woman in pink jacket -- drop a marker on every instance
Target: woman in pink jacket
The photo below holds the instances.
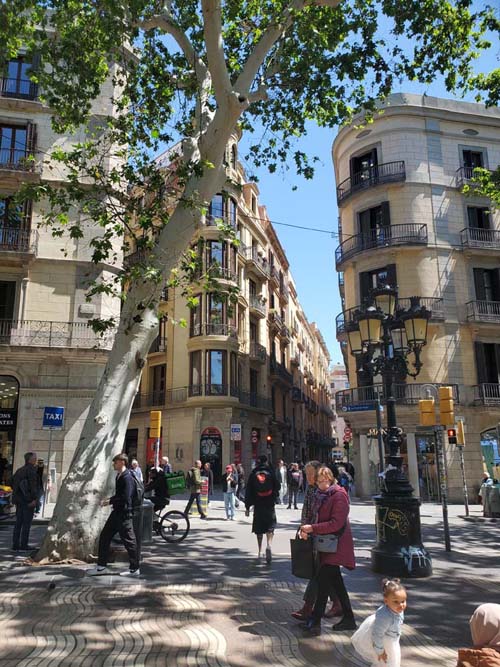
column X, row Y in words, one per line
column 331, row 515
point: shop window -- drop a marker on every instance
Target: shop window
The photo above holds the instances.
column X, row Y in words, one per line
column 9, row 397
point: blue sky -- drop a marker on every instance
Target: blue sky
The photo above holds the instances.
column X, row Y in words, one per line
column 313, row 204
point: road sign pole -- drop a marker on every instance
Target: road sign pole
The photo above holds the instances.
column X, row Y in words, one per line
column 48, row 474
column 464, row 479
column 441, row 469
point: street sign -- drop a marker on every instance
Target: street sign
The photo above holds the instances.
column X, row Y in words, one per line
column 360, row 407
column 236, row 432
column 53, row 418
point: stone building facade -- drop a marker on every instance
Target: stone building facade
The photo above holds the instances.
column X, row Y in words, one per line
column 259, row 367
column 48, row 354
column 404, row 221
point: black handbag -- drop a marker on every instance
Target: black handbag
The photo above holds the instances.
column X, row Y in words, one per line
column 302, row 557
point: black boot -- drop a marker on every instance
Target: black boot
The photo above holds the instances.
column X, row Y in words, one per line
column 347, row 623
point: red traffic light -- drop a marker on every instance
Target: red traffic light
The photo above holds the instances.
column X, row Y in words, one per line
column 452, row 433
column 269, row 438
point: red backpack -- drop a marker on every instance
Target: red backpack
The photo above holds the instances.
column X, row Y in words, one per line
column 264, row 483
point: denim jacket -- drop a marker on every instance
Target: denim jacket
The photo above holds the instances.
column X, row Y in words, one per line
column 386, row 624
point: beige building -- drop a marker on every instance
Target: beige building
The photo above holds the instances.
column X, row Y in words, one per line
column 257, row 371
column 48, row 354
column 404, row 221
column 339, row 381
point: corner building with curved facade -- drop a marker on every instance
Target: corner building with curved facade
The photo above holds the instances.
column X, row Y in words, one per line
column 404, row 221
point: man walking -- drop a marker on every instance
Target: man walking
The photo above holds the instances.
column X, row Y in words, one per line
column 294, row 483
column 282, row 478
column 119, row 521
column 26, row 492
column 262, row 493
column 193, row 480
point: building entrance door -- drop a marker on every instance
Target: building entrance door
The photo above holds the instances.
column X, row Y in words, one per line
column 211, row 450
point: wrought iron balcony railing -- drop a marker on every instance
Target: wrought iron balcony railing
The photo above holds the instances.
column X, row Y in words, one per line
column 257, row 260
column 257, row 352
column 484, row 239
column 280, row 371
column 18, row 240
column 382, row 237
column 483, row 311
column 464, row 176
column 213, row 329
column 18, row 88
column 258, row 303
column 18, row 159
column 487, row 394
column 389, row 172
column 39, row 333
column 405, row 394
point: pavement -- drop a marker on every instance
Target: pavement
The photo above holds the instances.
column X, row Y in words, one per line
column 208, row 602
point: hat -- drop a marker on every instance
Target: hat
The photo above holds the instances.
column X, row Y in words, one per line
column 228, row 467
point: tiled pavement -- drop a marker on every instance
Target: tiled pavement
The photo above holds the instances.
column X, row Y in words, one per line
column 208, row 603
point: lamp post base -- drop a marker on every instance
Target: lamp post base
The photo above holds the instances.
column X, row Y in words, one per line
column 399, row 551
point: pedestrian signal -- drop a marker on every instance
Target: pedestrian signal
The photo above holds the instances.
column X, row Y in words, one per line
column 452, row 436
column 155, row 424
column 269, row 439
column 460, row 433
column 446, row 407
column 427, row 412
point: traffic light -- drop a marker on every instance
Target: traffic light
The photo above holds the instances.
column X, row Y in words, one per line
column 452, row 436
column 155, row 424
column 269, row 439
column 446, row 408
column 427, row 412
column 460, row 433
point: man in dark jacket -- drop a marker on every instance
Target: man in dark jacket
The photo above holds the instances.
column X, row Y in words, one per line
column 26, row 492
column 119, row 521
column 262, row 492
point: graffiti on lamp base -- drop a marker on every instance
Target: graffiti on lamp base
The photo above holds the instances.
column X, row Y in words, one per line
column 394, row 520
column 415, row 553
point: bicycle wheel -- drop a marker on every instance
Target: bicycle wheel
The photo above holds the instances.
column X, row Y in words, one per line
column 174, row 526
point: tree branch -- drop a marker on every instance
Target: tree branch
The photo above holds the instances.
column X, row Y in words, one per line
column 212, row 28
column 259, row 95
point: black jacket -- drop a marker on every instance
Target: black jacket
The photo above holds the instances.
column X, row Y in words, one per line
column 251, row 490
column 124, row 493
column 234, row 481
column 26, row 485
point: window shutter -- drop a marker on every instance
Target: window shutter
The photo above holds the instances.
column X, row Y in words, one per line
column 364, row 286
column 386, row 213
column 364, row 222
column 481, row 367
column 392, row 279
column 472, row 216
column 479, row 285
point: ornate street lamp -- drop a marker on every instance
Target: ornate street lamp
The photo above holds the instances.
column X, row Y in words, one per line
column 383, row 336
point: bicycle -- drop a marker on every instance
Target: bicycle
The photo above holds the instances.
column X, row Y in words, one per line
column 173, row 526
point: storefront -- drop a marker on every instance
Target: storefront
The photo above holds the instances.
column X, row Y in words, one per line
column 9, row 397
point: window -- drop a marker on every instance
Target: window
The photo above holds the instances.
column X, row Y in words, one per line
column 158, row 381
column 216, row 208
column 216, row 372
column 254, row 203
column 271, row 300
column 472, row 159
column 478, row 217
column 215, row 310
column 232, row 212
column 253, row 331
column 16, row 81
column 216, row 253
column 7, row 300
column 362, row 166
column 234, row 373
column 11, row 213
column 13, row 144
column 487, row 284
column 369, row 280
column 195, row 381
column 487, row 363
column 373, row 222
column 195, row 325
column 252, row 288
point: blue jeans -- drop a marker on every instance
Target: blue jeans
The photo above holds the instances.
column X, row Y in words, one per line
column 24, row 517
column 229, row 504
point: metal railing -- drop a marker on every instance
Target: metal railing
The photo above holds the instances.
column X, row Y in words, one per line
column 255, row 400
column 17, row 159
column 486, row 239
column 405, row 394
column 257, row 303
column 483, row 311
column 252, row 255
column 487, row 394
column 274, row 275
column 464, row 175
column 257, row 351
column 18, row 240
column 18, row 88
column 213, row 329
column 225, row 273
column 388, row 172
column 284, row 293
column 280, row 371
column 216, row 389
column 159, row 345
column 39, row 333
column 382, row 237
column 211, row 220
column 276, row 319
column 161, row 398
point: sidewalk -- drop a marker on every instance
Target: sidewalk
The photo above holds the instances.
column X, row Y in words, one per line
column 208, row 602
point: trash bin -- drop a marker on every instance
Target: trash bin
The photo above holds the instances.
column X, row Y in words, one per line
column 144, row 529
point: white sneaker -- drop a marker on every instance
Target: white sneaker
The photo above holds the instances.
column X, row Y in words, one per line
column 130, row 573
column 97, row 570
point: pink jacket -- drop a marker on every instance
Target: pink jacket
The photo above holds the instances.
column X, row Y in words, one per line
column 333, row 515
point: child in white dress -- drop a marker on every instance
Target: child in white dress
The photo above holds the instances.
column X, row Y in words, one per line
column 377, row 639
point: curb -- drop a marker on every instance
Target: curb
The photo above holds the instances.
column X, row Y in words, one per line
column 480, row 519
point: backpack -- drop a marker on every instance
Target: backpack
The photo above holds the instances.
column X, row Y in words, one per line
column 264, row 483
column 189, row 479
column 139, row 491
column 344, row 480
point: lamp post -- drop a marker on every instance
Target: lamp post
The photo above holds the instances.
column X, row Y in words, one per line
column 387, row 341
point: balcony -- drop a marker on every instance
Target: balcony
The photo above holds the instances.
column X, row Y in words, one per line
column 389, row 172
column 255, row 400
column 284, row 293
column 257, row 352
column 159, row 345
column 13, row 239
column 483, row 311
column 382, row 237
column 258, row 305
column 225, row 273
column 39, row 333
column 213, row 329
column 359, row 399
column 482, row 239
column 216, row 220
column 257, row 263
column 285, row 335
column 274, row 277
column 464, row 176
column 275, row 320
column 280, row 373
column 21, row 89
column 295, row 359
column 487, row 394
column 17, row 159
column 163, row 397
